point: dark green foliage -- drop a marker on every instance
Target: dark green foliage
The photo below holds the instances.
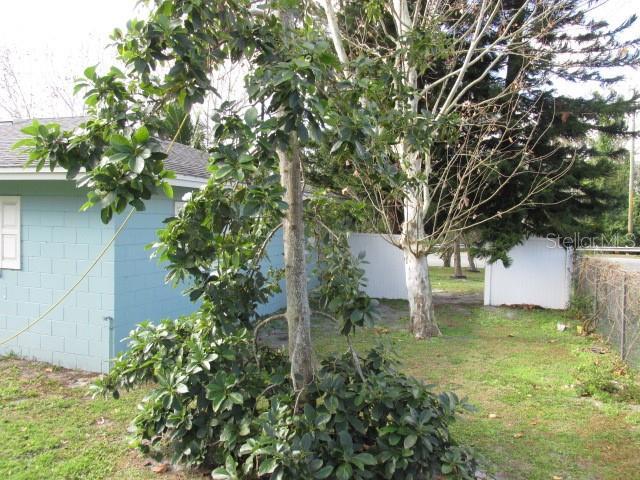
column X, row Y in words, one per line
column 212, row 405
column 207, row 390
column 341, row 290
column 120, row 168
column 563, row 128
column 174, row 119
column 389, row 426
column 587, row 204
column 217, row 243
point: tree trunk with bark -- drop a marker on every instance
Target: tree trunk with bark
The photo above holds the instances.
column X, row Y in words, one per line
column 472, row 261
column 422, row 317
column 295, row 270
column 457, row 260
column 445, row 256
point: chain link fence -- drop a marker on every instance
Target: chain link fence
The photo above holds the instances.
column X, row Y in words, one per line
column 607, row 293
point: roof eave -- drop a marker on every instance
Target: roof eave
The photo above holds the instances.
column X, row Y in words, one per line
column 19, row 173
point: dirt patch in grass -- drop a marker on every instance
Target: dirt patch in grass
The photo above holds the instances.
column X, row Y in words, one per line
column 460, row 298
column 38, row 374
column 134, row 465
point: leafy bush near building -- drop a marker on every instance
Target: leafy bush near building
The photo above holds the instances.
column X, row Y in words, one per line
column 214, row 405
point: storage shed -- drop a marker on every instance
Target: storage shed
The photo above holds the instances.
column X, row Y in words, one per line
column 539, row 274
column 47, row 244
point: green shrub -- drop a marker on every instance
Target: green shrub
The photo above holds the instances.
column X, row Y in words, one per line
column 212, row 405
column 582, row 309
column 207, row 388
column 341, row 290
column 389, row 426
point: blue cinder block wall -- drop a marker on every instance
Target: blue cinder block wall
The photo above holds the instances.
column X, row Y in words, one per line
column 140, row 289
column 57, row 244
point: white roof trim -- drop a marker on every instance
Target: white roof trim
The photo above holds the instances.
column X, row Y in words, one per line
column 19, row 173
column 187, row 181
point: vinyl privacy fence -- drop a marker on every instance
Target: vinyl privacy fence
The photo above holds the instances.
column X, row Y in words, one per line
column 610, row 294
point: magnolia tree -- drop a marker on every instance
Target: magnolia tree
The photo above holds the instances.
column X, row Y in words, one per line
column 449, row 95
column 172, row 57
column 216, row 400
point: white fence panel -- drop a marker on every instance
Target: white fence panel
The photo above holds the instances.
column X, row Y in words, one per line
column 384, row 269
column 385, row 264
column 540, row 274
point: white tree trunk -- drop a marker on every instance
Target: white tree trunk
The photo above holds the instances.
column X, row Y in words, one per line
column 417, row 274
column 298, row 311
column 332, row 23
column 422, row 321
column 416, row 202
column 422, row 318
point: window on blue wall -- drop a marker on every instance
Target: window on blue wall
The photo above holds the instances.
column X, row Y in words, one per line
column 10, row 233
column 178, row 206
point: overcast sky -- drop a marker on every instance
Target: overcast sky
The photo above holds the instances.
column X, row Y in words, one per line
column 50, row 42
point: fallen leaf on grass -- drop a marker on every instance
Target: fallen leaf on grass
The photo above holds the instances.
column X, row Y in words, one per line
column 160, row 468
column 518, row 435
column 556, row 477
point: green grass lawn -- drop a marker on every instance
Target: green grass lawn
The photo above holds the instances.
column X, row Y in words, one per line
column 52, row 429
column 518, row 371
column 442, row 282
column 512, row 365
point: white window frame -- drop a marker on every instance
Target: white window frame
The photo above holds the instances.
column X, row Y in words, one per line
column 178, row 205
column 5, row 230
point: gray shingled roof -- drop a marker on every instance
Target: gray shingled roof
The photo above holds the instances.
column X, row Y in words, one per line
column 182, row 159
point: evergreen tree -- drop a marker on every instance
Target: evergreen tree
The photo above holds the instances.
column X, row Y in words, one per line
column 589, row 199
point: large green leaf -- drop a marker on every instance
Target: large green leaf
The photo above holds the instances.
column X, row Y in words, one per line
column 344, row 472
column 141, row 135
